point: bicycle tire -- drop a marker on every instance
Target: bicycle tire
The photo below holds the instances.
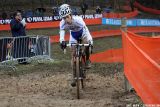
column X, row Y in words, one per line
column 77, row 77
column 82, row 70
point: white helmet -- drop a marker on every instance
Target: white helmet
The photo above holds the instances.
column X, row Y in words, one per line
column 64, row 10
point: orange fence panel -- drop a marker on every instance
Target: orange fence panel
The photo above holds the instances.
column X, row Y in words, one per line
column 142, row 71
column 149, row 10
column 109, row 56
column 149, row 45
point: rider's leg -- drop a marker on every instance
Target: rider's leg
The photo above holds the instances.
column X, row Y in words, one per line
column 87, row 51
column 88, row 62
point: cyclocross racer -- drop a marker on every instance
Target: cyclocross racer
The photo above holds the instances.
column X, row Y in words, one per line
column 78, row 30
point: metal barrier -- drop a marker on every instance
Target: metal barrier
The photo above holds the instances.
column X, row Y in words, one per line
column 23, row 49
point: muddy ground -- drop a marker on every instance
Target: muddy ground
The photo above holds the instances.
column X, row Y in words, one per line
column 48, row 84
column 46, row 89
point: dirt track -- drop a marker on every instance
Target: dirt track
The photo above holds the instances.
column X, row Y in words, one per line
column 42, row 89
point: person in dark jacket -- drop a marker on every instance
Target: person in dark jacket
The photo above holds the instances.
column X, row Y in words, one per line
column 84, row 7
column 20, row 43
column 18, row 25
column 98, row 10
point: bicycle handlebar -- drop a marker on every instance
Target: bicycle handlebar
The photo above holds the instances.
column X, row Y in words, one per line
column 75, row 44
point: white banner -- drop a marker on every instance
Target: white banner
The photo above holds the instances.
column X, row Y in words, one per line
column 50, row 18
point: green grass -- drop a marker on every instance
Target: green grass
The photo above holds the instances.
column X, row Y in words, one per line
column 62, row 61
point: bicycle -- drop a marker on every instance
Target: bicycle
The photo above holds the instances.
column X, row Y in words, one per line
column 79, row 65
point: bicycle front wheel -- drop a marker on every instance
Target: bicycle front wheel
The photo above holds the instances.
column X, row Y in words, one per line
column 77, row 77
column 82, row 70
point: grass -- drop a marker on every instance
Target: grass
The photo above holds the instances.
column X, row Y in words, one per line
column 63, row 60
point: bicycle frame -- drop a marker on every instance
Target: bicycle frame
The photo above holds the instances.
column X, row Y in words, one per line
column 79, row 61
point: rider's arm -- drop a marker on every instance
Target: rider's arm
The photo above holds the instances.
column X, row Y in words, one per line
column 62, row 32
column 62, row 35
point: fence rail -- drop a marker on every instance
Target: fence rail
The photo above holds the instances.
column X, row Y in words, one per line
column 23, row 49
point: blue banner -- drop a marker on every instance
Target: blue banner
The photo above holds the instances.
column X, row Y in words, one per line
column 148, row 22
column 111, row 21
column 132, row 22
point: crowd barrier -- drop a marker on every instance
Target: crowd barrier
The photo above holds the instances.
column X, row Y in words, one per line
column 143, row 8
column 141, row 65
column 22, row 49
column 132, row 22
column 53, row 24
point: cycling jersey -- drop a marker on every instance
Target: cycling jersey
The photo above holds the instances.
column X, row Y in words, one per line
column 77, row 29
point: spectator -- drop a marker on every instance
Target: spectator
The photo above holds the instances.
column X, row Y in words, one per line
column 18, row 25
column 29, row 13
column 98, row 10
column 4, row 15
column 40, row 12
column 55, row 11
column 74, row 11
column 22, row 12
column 84, row 7
column 20, row 45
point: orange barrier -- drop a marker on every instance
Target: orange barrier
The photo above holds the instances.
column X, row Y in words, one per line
column 109, row 56
column 113, row 55
column 140, row 67
column 149, row 10
column 105, row 33
column 120, row 15
column 151, row 48
column 53, row 24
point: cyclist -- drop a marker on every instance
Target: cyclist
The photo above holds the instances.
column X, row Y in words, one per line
column 78, row 29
